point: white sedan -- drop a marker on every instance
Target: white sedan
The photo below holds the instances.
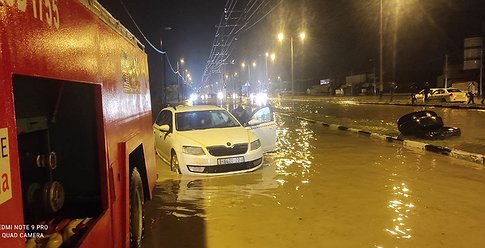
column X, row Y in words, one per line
column 444, row 95
column 207, row 140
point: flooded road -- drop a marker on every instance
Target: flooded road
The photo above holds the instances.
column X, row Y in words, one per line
column 383, row 118
column 324, row 188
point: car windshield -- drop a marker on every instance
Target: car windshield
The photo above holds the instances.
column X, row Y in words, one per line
column 196, row 120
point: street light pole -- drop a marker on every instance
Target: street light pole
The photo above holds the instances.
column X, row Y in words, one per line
column 178, row 84
column 481, row 73
column 265, row 81
column 292, row 68
column 381, row 70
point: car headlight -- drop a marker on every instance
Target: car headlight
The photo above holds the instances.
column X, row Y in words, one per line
column 255, row 144
column 193, row 150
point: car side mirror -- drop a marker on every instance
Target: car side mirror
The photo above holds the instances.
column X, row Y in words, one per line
column 164, row 128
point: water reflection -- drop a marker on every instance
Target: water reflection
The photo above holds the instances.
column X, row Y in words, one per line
column 401, row 206
column 296, row 145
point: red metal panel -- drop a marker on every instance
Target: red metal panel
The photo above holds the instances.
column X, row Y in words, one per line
column 68, row 42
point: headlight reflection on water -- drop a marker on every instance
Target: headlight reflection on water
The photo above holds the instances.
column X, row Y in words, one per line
column 297, row 160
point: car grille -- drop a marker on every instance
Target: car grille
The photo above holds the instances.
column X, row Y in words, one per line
column 229, row 167
column 228, row 151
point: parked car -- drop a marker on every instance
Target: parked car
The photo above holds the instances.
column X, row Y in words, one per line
column 207, row 140
column 444, row 95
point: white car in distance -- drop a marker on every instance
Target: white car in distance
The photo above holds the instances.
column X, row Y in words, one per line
column 208, row 140
column 444, row 95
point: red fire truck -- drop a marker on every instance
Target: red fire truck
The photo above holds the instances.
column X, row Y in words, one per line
column 76, row 142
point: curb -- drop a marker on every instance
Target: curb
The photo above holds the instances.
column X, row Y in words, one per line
column 426, row 105
column 450, row 152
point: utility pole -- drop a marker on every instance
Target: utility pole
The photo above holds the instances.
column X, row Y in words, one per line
column 481, row 72
column 381, row 70
column 178, row 84
column 446, row 71
column 292, row 68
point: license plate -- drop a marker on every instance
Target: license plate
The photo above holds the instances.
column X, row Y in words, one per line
column 234, row 160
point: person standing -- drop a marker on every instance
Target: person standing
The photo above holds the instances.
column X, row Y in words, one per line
column 426, row 91
column 471, row 93
column 413, row 89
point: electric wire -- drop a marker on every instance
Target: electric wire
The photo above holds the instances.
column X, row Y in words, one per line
column 149, row 43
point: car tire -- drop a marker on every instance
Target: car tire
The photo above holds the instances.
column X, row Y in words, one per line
column 439, row 133
column 415, row 115
column 137, row 215
column 174, row 163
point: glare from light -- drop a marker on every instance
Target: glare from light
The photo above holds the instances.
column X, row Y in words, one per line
column 243, row 64
column 193, row 97
column 182, row 61
column 302, row 35
column 220, row 95
column 261, row 99
column 267, row 54
column 273, row 57
column 281, row 36
column 254, row 64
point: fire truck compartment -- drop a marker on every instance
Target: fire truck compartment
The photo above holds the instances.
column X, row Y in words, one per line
column 58, row 144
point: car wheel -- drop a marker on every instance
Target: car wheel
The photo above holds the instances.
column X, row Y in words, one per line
column 136, row 209
column 174, row 163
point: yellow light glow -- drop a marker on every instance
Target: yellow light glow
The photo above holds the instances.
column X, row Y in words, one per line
column 273, row 56
column 281, row 36
column 302, row 35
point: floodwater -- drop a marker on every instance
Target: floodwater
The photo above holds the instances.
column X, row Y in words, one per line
column 324, row 188
column 383, row 118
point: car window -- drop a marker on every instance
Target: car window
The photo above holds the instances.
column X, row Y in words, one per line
column 164, row 118
column 454, row 90
column 439, row 92
column 261, row 116
column 195, row 120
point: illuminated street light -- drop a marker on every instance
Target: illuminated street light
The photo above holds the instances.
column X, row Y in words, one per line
column 280, row 38
column 272, row 56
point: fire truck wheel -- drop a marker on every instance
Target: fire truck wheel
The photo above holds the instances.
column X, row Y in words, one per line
column 174, row 163
column 136, row 209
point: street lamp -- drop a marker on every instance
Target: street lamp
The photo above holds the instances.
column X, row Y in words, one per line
column 280, row 38
column 181, row 88
column 381, row 70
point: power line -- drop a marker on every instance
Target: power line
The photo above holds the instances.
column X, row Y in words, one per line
column 149, row 43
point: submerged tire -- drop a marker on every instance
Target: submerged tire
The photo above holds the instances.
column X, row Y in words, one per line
column 415, row 115
column 136, row 209
column 412, row 123
column 439, row 133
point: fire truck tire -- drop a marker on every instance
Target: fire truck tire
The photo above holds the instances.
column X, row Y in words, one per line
column 174, row 163
column 136, row 209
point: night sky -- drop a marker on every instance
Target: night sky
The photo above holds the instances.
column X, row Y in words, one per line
column 343, row 35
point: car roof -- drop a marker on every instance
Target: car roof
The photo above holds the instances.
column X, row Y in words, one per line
column 185, row 108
